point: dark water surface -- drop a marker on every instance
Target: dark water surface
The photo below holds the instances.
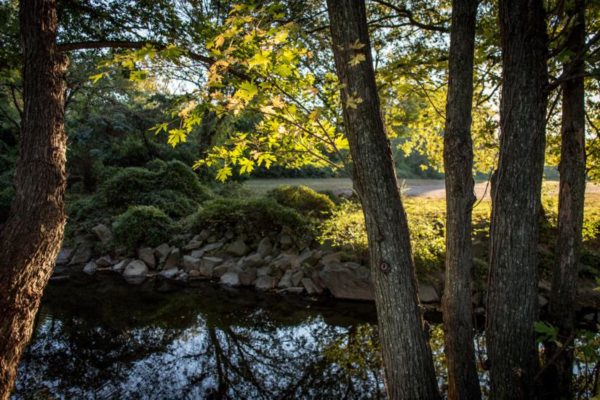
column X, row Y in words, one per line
column 101, row 341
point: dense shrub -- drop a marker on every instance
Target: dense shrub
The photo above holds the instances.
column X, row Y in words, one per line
column 142, row 225
column 304, row 200
column 346, row 230
column 140, row 186
column 260, row 214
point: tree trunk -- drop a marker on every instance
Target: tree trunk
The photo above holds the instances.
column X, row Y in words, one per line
column 463, row 382
column 570, row 212
column 31, row 238
column 406, row 354
column 512, row 290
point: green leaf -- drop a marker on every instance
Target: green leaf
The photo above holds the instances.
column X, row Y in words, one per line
column 224, row 173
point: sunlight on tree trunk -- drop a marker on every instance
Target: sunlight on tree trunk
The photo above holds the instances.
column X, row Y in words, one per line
column 32, row 236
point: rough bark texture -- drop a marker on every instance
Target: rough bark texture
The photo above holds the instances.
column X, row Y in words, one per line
column 512, row 289
column 463, row 382
column 31, row 238
column 406, row 354
column 570, row 213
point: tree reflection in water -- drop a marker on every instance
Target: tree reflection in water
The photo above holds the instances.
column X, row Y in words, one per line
column 207, row 343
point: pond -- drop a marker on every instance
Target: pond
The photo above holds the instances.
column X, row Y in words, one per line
column 103, row 339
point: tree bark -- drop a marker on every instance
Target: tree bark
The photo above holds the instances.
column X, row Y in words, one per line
column 406, row 354
column 31, row 238
column 558, row 377
column 512, row 290
column 463, row 382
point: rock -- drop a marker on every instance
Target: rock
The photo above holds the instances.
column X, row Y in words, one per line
column 194, row 274
column 285, row 240
column 283, row 261
column 230, row 279
column 173, row 259
column 64, row 256
column 169, row 273
column 331, row 258
column 265, row 247
column 146, row 254
column 190, row 263
column 303, row 257
column 162, row 252
column 197, row 253
column 220, row 270
column 297, row 278
column 82, row 254
column 264, row 271
column 343, row 283
column 208, row 264
column 264, row 282
column 294, row 290
column 238, row 248
column 211, row 247
column 135, row 272
column 103, row 233
column 286, row 280
column 90, row 268
column 310, row 286
column 251, row 261
column 104, row 261
column 247, row 277
column 193, row 245
column 428, row 294
column 120, row 266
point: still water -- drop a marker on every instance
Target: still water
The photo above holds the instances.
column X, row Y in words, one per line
column 101, row 341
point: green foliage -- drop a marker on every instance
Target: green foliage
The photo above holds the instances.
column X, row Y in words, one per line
column 304, row 200
column 345, row 228
column 142, row 225
column 172, row 186
column 259, row 214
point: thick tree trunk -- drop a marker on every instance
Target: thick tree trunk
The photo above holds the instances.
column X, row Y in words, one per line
column 570, row 213
column 406, row 354
column 463, row 382
column 31, row 238
column 512, row 293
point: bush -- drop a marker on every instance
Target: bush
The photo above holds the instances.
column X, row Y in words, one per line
column 261, row 214
column 345, row 228
column 173, row 203
column 304, row 200
column 142, row 226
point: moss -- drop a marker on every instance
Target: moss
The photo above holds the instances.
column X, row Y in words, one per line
column 260, row 214
column 142, row 225
column 304, row 200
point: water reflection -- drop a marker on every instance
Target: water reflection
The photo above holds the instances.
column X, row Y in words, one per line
column 120, row 342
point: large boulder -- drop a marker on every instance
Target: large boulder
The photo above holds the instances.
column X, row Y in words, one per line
column 345, row 283
column 135, row 272
column 230, row 279
column 162, row 252
column 146, row 254
column 190, row 263
column 103, row 233
column 173, row 259
column 238, row 248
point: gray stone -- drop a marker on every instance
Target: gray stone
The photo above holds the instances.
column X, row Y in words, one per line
column 310, row 286
column 82, row 254
column 285, row 240
column 294, row 290
column 90, row 268
column 252, row 261
column 297, row 278
column 103, row 233
column 247, row 277
column 220, row 270
column 173, row 259
column 104, row 261
column 238, row 248
column 120, row 266
column 193, row 245
column 64, row 256
column 197, row 253
column 135, row 272
column 265, row 247
column 190, row 263
column 169, row 273
column 264, row 282
column 286, row 280
column 283, row 261
column 343, row 283
column 208, row 264
column 330, row 258
column 146, row 254
column 162, row 252
column 264, row 271
column 230, row 279
column 428, row 294
column 211, row 247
